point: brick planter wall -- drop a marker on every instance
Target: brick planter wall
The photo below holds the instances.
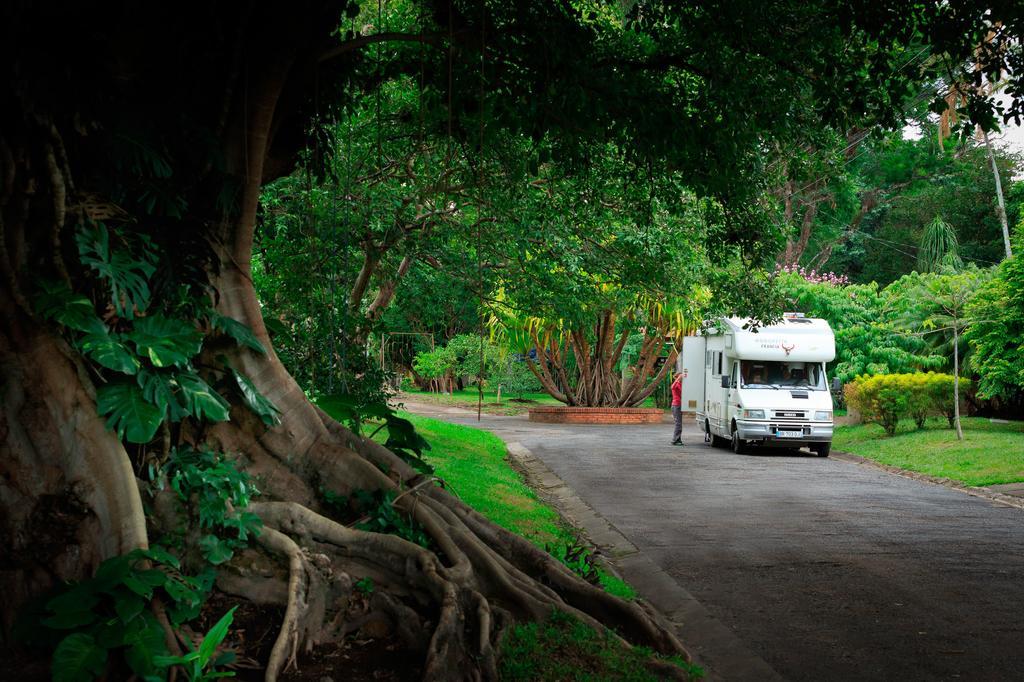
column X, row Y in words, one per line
column 598, row 415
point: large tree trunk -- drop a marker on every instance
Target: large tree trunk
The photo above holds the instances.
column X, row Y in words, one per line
column 68, row 494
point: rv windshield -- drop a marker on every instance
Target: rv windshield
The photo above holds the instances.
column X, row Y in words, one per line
column 778, row 374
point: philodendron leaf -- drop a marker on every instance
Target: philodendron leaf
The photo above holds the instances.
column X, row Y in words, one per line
column 241, row 333
column 107, row 350
column 78, row 657
column 128, row 412
column 57, row 302
column 126, row 272
column 166, row 341
column 200, row 400
column 266, row 410
column 215, row 550
column 158, row 387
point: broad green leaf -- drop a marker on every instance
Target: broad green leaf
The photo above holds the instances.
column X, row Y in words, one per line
column 126, row 272
column 266, row 410
column 161, row 555
column 180, row 592
column 128, row 412
column 107, row 350
column 402, row 434
column 215, row 550
column 241, row 333
column 215, row 636
column 79, row 598
column 111, row 572
column 57, row 302
column 139, row 587
column 145, row 642
column 158, row 388
column 128, row 605
column 201, row 401
column 78, row 658
column 166, row 341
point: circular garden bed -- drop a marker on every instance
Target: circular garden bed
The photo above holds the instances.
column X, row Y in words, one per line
column 597, row 415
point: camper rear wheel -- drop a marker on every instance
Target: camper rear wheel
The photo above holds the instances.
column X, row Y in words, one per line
column 822, row 450
column 739, row 446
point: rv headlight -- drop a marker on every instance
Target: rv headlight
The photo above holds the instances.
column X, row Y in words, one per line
column 753, row 414
column 823, row 416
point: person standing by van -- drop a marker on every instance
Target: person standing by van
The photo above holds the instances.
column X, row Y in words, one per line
column 677, row 408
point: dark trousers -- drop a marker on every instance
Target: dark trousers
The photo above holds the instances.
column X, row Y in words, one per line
column 677, row 415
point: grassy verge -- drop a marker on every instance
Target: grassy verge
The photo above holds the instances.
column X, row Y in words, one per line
column 563, row 648
column 467, row 399
column 990, row 453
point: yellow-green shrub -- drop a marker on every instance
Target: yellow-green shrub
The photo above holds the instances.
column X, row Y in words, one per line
column 886, row 398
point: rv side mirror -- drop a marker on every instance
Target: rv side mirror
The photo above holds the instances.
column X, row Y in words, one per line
column 836, row 386
column 725, row 381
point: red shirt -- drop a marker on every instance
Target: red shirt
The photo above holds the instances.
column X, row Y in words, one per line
column 677, row 393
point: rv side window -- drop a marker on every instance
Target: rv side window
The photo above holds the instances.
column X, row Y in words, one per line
column 719, row 363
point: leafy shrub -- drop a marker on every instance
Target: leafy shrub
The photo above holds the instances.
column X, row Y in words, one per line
column 213, row 488
column 435, row 364
column 105, row 620
column 515, row 377
column 886, row 398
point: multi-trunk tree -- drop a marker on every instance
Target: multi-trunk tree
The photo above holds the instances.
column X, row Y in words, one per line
column 135, row 141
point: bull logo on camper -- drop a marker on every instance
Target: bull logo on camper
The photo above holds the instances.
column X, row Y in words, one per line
column 788, row 348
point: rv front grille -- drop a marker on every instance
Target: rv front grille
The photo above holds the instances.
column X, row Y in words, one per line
column 789, row 414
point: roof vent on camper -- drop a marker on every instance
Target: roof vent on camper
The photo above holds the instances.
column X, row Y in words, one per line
column 799, row 318
column 798, row 394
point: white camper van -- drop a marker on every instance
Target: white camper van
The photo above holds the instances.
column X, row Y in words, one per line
column 766, row 387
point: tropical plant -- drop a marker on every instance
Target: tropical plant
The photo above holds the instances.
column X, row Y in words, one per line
column 937, row 305
column 940, row 249
column 105, row 623
column 996, row 328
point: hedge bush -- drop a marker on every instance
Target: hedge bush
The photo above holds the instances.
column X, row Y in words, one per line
column 886, row 398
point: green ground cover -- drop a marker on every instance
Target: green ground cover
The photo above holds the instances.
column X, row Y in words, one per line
column 563, row 648
column 991, row 452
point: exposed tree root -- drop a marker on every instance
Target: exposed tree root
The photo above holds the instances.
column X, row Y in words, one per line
column 480, row 578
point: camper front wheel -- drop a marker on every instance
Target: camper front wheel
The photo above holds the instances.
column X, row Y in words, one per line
column 739, row 446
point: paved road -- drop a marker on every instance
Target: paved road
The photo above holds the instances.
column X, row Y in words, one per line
column 826, row 569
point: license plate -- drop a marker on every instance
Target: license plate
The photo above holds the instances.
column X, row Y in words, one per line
column 790, row 434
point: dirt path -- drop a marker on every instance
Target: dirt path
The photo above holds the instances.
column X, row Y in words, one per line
column 825, row 569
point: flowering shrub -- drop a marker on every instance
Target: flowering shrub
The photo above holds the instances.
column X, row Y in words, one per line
column 886, row 398
column 815, row 277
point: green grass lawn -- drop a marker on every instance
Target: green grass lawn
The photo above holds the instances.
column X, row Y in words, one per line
column 990, row 453
column 467, row 398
